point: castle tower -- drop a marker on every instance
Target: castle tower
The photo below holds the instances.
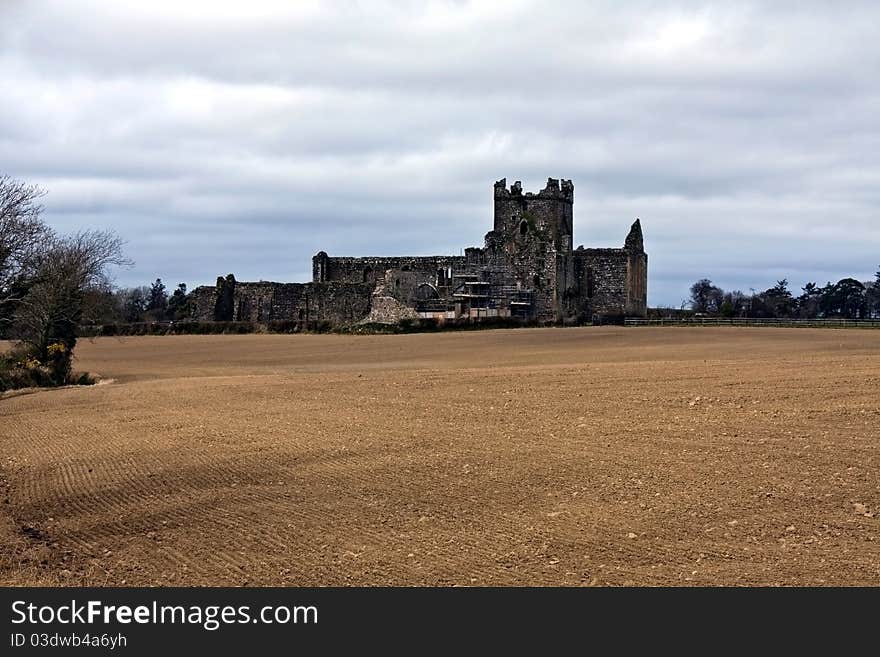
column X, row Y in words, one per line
column 533, row 233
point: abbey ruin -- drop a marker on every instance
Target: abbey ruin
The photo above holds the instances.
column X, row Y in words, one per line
column 527, row 269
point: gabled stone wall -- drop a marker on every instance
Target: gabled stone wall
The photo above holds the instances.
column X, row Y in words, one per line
column 612, row 283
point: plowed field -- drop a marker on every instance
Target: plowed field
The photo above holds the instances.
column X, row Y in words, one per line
column 646, row 456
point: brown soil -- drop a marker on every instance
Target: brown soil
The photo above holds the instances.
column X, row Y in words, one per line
column 648, row 456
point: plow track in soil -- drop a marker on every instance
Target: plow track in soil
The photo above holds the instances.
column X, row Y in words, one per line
column 614, row 456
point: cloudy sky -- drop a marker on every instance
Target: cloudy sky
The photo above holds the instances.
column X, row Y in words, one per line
column 244, row 137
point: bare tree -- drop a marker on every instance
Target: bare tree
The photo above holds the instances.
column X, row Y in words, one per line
column 23, row 235
column 68, row 270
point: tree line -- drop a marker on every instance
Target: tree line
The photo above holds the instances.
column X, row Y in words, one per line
column 145, row 303
column 847, row 298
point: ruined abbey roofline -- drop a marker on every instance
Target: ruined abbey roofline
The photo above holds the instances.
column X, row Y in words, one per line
column 410, row 260
column 610, row 250
column 404, row 258
column 527, row 269
column 434, row 258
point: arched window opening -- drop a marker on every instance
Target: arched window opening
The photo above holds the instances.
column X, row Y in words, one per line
column 426, row 292
column 523, row 227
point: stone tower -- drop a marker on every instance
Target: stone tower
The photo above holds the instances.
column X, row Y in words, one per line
column 532, row 238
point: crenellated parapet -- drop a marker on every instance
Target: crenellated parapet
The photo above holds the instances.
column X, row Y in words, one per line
column 554, row 189
column 568, row 190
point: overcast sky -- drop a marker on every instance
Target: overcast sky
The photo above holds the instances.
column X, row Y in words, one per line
column 244, row 137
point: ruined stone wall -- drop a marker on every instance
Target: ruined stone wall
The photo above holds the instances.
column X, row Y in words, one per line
column 264, row 301
column 602, row 286
column 339, row 303
column 612, row 282
column 404, row 285
column 261, row 302
column 637, row 285
column 372, row 269
column 637, row 272
column 396, row 295
column 202, row 302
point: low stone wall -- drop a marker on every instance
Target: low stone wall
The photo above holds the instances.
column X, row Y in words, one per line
column 261, row 302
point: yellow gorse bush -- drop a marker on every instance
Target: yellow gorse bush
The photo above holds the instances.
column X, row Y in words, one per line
column 56, row 349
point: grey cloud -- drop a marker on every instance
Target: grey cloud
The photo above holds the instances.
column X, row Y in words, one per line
column 223, row 137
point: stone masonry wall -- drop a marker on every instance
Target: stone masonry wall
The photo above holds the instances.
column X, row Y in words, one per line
column 603, row 281
column 202, row 302
column 637, row 285
column 612, row 282
column 372, row 269
column 338, row 303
